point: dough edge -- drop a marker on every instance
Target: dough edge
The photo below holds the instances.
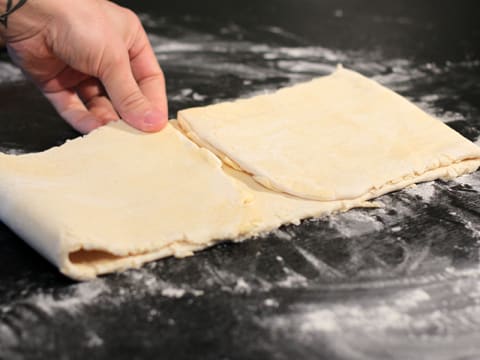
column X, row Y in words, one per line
column 179, row 249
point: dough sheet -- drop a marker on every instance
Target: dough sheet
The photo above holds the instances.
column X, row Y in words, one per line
column 117, row 198
column 341, row 136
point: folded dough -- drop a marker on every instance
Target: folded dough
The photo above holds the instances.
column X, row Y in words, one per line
column 118, row 198
column 269, row 209
column 337, row 137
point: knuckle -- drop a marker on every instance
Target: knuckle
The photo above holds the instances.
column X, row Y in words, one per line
column 132, row 100
column 157, row 79
column 110, row 63
column 131, row 17
column 115, row 59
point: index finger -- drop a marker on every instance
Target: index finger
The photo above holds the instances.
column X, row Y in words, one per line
column 147, row 71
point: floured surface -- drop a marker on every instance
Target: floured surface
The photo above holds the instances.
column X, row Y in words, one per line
column 118, row 198
column 338, row 137
column 354, row 268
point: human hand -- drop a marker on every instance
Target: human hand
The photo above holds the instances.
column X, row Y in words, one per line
column 92, row 60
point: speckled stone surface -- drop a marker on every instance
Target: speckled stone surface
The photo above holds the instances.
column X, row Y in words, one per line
column 397, row 282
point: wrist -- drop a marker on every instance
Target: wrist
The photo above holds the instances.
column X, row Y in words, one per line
column 24, row 22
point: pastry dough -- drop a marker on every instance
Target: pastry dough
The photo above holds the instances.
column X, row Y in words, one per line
column 117, row 198
column 338, row 137
column 270, row 209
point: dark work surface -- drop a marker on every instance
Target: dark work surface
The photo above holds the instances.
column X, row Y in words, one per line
column 397, row 282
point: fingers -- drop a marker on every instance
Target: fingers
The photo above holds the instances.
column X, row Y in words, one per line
column 93, row 95
column 70, row 107
column 147, row 71
column 85, row 107
column 66, row 78
column 128, row 80
column 127, row 97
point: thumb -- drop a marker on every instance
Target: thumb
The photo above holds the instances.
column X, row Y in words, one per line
column 127, row 98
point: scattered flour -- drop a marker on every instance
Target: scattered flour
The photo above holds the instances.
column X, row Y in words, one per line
column 82, row 294
column 469, row 272
column 242, row 287
column 281, row 234
column 93, row 340
column 375, row 317
column 10, row 151
column 320, row 320
column 354, row 223
column 408, row 317
column 135, row 284
column 173, row 292
column 198, row 97
column 300, row 66
column 471, row 179
column 319, row 265
column 152, row 313
column 7, row 337
column 181, row 95
column 411, row 298
column 292, row 279
column 9, row 72
column 338, row 13
column 162, row 45
column 143, row 281
column 450, row 116
column 317, row 52
column 474, row 228
column 425, row 191
column 271, row 302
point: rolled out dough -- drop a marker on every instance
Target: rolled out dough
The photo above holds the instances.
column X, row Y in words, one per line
column 341, row 136
column 118, row 198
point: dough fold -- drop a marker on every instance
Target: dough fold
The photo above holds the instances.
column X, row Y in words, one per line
column 338, row 137
column 118, row 198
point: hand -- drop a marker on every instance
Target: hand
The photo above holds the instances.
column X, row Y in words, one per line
column 92, row 60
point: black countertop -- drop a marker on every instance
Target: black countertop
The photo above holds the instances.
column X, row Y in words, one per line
column 397, row 282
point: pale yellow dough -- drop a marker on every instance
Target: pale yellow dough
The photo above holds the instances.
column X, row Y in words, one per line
column 118, row 198
column 341, row 136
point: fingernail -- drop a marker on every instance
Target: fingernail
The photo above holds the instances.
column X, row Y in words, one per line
column 153, row 119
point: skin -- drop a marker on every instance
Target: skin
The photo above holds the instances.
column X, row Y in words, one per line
column 91, row 59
